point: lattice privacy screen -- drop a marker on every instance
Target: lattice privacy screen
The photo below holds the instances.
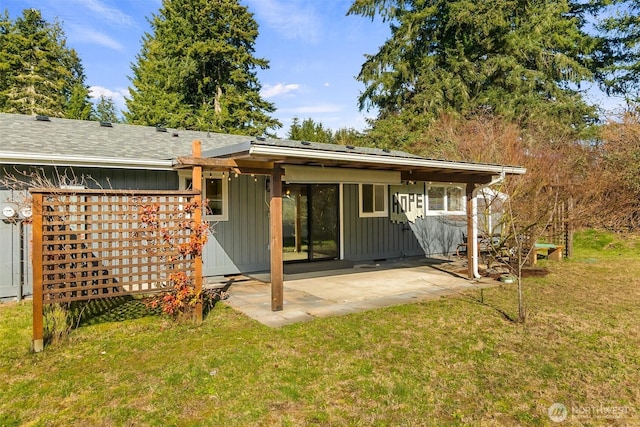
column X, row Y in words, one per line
column 98, row 244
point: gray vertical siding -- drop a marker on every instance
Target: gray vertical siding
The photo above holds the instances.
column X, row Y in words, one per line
column 125, row 179
column 10, row 267
column 108, row 178
column 367, row 239
column 15, row 241
column 240, row 245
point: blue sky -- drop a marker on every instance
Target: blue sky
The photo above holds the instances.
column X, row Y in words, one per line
column 315, row 51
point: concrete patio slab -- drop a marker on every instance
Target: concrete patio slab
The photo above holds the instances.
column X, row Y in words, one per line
column 337, row 292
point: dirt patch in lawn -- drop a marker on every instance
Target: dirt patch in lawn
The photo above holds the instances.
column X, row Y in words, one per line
column 496, row 273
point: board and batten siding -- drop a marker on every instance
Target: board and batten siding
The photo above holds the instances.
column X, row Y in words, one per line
column 107, row 178
column 240, row 245
column 15, row 265
column 368, row 239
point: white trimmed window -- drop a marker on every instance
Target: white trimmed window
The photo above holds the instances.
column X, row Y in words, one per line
column 215, row 191
column 374, row 200
column 445, row 199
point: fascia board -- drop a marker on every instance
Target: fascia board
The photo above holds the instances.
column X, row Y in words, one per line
column 83, row 161
column 259, row 150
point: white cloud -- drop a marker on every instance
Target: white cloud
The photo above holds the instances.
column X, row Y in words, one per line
column 88, row 35
column 106, row 13
column 95, row 92
column 292, row 20
column 269, row 91
column 327, row 84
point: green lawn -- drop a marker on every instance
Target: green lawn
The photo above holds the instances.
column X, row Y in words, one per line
column 454, row 361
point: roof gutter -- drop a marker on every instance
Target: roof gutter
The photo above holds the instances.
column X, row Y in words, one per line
column 83, row 161
column 262, row 150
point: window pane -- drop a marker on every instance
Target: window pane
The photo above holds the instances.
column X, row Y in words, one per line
column 213, row 192
column 188, row 184
column 436, row 198
column 367, row 198
column 454, row 199
column 379, row 198
column 214, row 207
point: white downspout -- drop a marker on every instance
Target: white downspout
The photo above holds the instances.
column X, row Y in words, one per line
column 474, row 219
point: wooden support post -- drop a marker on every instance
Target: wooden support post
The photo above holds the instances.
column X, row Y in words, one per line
column 275, row 219
column 472, row 243
column 196, row 180
column 37, row 344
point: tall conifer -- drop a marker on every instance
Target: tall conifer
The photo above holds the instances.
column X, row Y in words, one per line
column 523, row 60
column 39, row 71
column 197, row 70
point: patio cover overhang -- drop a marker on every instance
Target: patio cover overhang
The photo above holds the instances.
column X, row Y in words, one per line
column 271, row 157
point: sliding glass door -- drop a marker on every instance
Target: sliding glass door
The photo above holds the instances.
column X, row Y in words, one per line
column 310, row 217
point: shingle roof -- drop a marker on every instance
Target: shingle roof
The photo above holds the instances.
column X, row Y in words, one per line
column 57, row 140
column 79, row 138
column 26, row 140
column 307, row 146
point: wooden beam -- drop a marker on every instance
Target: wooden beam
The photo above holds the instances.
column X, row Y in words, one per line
column 252, row 171
column 275, row 219
column 196, row 182
column 196, row 161
column 37, row 344
column 472, row 244
column 226, row 164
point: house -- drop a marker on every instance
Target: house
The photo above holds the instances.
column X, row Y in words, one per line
column 313, row 201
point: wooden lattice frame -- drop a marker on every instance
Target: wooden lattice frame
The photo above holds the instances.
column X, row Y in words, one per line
column 91, row 244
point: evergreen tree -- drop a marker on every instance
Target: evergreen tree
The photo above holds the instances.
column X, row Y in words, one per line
column 197, row 70
column 308, row 130
column 106, row 110
column 79, row 107
column 518, row 59
column 39, row 70
column 348, row 136
column 620, row 28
